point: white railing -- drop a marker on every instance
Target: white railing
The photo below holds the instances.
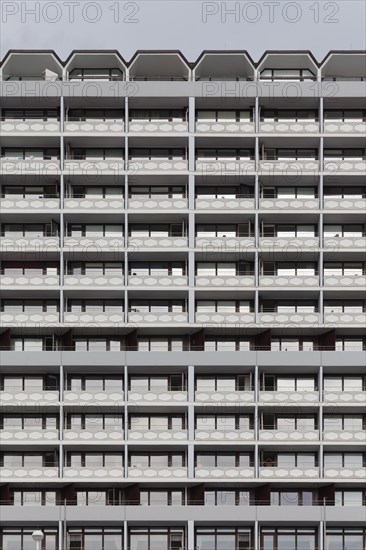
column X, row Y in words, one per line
column 136, row 165
column 288, row 317
column 335, row 166
column 358, row 281
column 94, row 166
column 94, row 244
column 284, row 203
column 158, row 279
column 289, row 397
column 28, row 434
column 219, row 166
column 157, row 126
column 283, row 472
column 103, row 318
column 347, row 397
column 29, row 202
column 157, row 396
column 157, row 242
column 94, row 279
column 224, row 472
column 28, row 317
column 288, row 243
column 345, row 318
column 33, row 472
column 31, row 126
column 15, row 279
column 224, row 396
column 29, row 396
column 224, row 126
column 218, row 317
column 94, row 126
column 225, row 280
column 32, row 166
column 225, row 243
column 92, row 397
column 223, row 434
column 92, row 202
column 157, row 317
column 157, row 202
column 344, row 243
column 230, row 203
column 24, row 244
column 288, row 434
column 345, row 435
column 289, row 280
column 345, row 126
column 94, row 433
column 347, row 472
column 94, row 472
column 294, row 166
column 156, row 471
column 156, row 434
column 289, row 126
column 344, row 203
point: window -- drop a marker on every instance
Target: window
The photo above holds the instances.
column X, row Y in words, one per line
column 224, row 116
column 157, row 422
column 292, row 498
column 278, row 115
column 223, row 422
column 155, row 154
column 221, row 538
column 223, row 460
column 350, row 498
column 156, row 383
column 344, row 383
column 288, row 539
column 225, row 154
column 16, row 538
column 272, row 382
column 94, row 460
column 300, row 75
column 156, row 539
column 289, row 460
column 155, row 343
column 344, row 422
column 227, row 497
column 157, row 306
column 240, row 382
column 96, row 74
column 157, row 460
column 345, row 539
column 153, row 497
column 88, row 343
column 93, row 538
column 294, row 422
column 149, row 115
column 94, row 383
column 344, row 460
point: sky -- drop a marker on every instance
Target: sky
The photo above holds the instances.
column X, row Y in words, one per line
column 187, row 25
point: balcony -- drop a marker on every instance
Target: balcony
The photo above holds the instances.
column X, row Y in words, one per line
column 358, row 281
column 288, row 243
column 93, row 245
column 224, row 472
column 288, row 317
column 107, row 318
column 162, row 395
column 219, row 166
column 234, row 281
column 166, row 242
column 228, row 203
column 292, row 127
column 345, row 126
column 288, row 471
column 156, row 434
column 33, row 126
column 157, row 202
column 288, row 434
column 223, row 434
column 18, row 280
column 217, row 317
column 289, row 166
column 347, row 397
column 160, row 279
column 142, row 126
column 341, row 166
column 354, row 436
column 289, row 203
column 344, row 243
column 213, row 244
column 344, row 203
column 29, row 396
column 223, row 127
column 165, row 165
column 288, row 397
column 29, row 243
column 95, row 279
column 347, row 472
column 157, row 317
column 76, row 126
column 156, row 471
column 86, row 166
column 15, row 317
column 289, row 280
column 36, row 166
column 98, row 203
column 345, row 318
column 94, row 433
column 102, row 397
column 223, row 397
column 34, row 434
column 94, row 471
column 33, row 472
column 29, row 202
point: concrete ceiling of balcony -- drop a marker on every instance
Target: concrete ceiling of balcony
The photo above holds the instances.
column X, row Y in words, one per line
column 18, row 64
column 159, row 65
column 287, row 60
column 217, row 65
column 344, row 64
column 95, row 60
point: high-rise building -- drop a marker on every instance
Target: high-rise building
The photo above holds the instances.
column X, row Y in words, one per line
column 183, row 301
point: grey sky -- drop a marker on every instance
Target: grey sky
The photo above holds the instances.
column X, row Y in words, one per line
column 190, row 25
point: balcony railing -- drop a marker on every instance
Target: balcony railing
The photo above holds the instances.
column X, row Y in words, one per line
column 30, row 317
column 289, row 280
column 10, row 278
column 30, row 471
column 289, row 166
column 225, row 280
column 157, row 278
column 358, row 281
column 156, row 471
column 344, row 243
column 29, row 434
column 135, row 242
column 280, row 317
column 223, row 396
column 29, row 125
column 289, row 203
column 345, row 318
column 218, row 166
column 224, row 317
column 95, row 244
column 30, row 396
column 223, row 434
column 289, row 126
column 345, row 473
column 107, row 318
column 38, row 166
column 157, row 317
column 225, row 243
column 95, row 278
column 94, row 471
column 156, row 434
column 224, row 472
column 136, row 165
column 345, row 435
column 341, row 166
column 24, row 244
column 347, row 397
column 29, row 202
column 349, row 126
column 157, row 396
column 82, row 165
column 238, row 202
column 268, row 471
column 157, row 202
column 288, row 434
column 288, row 243
column 96, row 396
column 157, row 126
column 344, row 203
column 94, row 126
column 289, row 397
column 94, row 433
column 93, row 202
column 225, row 126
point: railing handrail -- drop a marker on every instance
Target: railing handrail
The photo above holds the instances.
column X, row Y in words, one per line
column 29, row 118
column 194, row 348
column 96, row 119
column 237, row 196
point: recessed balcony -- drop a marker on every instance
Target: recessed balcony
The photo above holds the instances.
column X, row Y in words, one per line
column 216, row 165
column 86, row 161
column 222, row 122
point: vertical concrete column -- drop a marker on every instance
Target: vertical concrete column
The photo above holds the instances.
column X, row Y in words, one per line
column 61, row 422
column 190, row 391
column 190, row 535
column 126, row 413
column 191, row 207
column 126, row 203
column 62, row 203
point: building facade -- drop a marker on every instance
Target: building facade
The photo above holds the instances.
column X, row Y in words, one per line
column 182, row 291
